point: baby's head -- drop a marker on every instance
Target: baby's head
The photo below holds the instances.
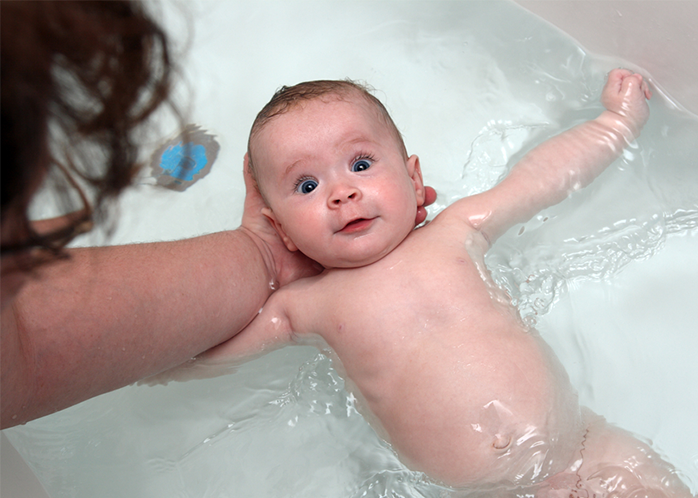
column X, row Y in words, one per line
column 334, row 173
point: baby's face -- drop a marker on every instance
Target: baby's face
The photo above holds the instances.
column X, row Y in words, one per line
column 338, row 185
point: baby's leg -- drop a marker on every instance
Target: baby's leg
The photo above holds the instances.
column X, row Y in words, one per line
column 615, row 464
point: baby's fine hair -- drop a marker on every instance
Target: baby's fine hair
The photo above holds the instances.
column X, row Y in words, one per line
column 288, row 97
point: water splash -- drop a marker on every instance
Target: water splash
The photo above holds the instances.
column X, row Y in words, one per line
column 536, row 274
column 491, row 151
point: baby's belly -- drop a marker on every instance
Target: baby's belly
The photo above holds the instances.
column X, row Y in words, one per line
column 494, row 408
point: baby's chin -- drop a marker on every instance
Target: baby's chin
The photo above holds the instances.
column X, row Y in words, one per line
column 349, row 261
column 346, row 264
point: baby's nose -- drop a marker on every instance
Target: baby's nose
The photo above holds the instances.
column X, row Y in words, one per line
column 344, row 193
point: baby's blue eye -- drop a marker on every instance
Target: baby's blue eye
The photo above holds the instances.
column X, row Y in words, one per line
column 361, row 165
column 306, row 186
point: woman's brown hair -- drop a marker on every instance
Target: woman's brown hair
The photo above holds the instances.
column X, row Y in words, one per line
column 78, row 78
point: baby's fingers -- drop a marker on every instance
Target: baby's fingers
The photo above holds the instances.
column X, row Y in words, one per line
column 625, row 94
column 646, row 88
column 616, row 77
column 635, row 83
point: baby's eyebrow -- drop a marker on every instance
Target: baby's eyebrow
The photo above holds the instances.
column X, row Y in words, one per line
column 359, row 140
column 289, row 169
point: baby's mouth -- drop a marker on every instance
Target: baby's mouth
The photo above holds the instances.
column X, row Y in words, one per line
column 356, row 225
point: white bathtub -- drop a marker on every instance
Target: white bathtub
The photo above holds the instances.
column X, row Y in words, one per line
column 655, row 294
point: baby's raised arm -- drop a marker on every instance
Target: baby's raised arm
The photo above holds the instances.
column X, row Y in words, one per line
column 566, row 162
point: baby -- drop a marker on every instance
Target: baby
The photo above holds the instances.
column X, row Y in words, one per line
column 442, row 365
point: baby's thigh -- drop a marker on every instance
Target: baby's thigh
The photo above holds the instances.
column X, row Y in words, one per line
column 614, row 463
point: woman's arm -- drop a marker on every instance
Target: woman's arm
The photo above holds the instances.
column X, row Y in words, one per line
column 109, row 316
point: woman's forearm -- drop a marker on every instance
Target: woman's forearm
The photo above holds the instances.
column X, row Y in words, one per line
column 109, row 316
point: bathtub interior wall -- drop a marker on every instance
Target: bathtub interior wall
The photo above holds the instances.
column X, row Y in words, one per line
column 658, row 36
column 624, row 326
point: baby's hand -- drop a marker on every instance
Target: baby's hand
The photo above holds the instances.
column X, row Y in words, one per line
column 625, row 94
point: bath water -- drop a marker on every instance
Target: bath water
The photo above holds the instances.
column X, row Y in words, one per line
column 472, row 86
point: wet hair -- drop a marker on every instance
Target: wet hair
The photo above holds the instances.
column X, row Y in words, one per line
column 78, row 80
column 289, row 97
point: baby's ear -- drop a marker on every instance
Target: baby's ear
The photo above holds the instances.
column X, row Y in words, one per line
column 279, row 229
column 415, row 173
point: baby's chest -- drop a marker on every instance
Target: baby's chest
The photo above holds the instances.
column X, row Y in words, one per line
column 400, row 305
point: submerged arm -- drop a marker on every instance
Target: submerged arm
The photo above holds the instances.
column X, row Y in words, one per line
column 269, row 330
column 566, row 162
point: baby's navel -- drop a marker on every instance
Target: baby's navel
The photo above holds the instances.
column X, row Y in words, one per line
column 501, row 442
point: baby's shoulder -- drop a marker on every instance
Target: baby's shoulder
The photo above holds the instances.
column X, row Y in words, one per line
column 447, row 235
column 469, row 211
column 459, row 222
